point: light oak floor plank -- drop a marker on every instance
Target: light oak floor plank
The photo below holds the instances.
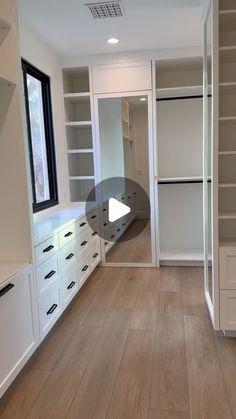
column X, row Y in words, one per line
column 146, row 307
column 167, row 414
column 170, row 279
column 94, row 393
column 193, row 298
column 169, row 389
column 208, row 398
column 128, row 290
column 131, row 394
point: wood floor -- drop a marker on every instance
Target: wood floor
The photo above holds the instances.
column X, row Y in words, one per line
column 135, row 344
column 133, row 248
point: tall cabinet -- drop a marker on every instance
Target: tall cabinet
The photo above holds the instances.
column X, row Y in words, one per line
column 220, row 162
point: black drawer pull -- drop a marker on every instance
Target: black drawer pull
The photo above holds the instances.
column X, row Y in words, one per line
column 48, row 248
column 93, row 216
column 123, row 224
column 94, row 233
column 95, row 255
column 105, row 224
column 83, row 224
column 70, row 256
column 113, row 235
column 104, row 209
column 84, row 243
column 129, row 197
column 7, row 288
column 135, row 193
column 118, row 230
column 50, row 275
column 122, row 198
column 52, row 309
column 106, row 243
column 85, row 268
column 68, row 234
column 72, row 284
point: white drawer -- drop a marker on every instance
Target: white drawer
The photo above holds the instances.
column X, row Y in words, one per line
column 69, row 286
column 82, row 241
column 228, row 310
column 44, row 250
column 83, row 268
column 92, row 216
column 95, row 254
column 47, row 275
column 68, row 255
column 81, row 225
column 227, row 267
column 93, row 233
column 67, row 234
column 49, row 311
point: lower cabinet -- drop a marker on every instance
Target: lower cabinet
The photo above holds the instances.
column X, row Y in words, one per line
column 228, row 309
column 70, row 286
column 227, row 259
column 18, row 338
column 49, row 311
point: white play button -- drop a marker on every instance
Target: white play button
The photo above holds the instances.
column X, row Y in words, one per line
column 116, row 210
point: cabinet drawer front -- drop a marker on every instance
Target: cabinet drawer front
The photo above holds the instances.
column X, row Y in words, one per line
column 67, row 234
column 95, row 254
column 81, row 225
column 49, row 311
column 83, row 241
column 68, row 255
column 227, row 268
column 16, row 325
column 47, row 275
column 93, row 231
column 122, row 77
column 228, row 310
column 92, row 216
column 69, row 286
column 83, row 268
column 46, row 249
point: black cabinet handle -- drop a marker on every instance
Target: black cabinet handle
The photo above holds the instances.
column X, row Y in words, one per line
column 104, row 209
column 118, row 230
column 68, row 234
column 122, row 198
column 95, row 255
column 123, row 224
column 50, row 275
column 47, row 249
column 52, row 309
column 94, row 233
column 72, row 284
column 135, row 193
column 7, row 288
column 83, row 224
column 129, row 197
column 93, row 216
column 106, row 243
column 85, row 268
column 113, row 235
column 105, row 224
column 84, row 243
column 70, row 256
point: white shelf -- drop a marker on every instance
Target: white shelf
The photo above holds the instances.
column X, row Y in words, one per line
column 78, row 124
column 81, row 177
column 227, row 12
column 227, row 84
column 180, row 179
column 80, row 151
column 76, row 95
column 181, row 256
column 4, row 29
column 228, row 48
column 227, row 153
column 179, row 91
column 227, row 118
column 227, row 185
column 231, row 215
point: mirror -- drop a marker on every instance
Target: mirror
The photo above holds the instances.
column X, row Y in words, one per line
column 124, row 156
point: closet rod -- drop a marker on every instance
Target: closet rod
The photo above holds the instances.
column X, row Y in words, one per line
column 181, row 97
column 179, row 182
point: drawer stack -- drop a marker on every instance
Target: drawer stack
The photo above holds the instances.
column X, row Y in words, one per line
column 62, row 265
column 227, row 264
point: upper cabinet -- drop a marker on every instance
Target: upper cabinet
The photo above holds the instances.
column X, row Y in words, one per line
column 122, row 77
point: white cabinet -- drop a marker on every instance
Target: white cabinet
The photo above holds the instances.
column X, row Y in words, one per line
column 122, row 77
column 227, row 268
column 69, row 286
column 17, row 331
column 46, row 249
column 228, row 310
column 49, row 311
column 47, row 275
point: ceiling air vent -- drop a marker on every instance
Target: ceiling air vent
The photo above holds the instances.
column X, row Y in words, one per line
column 106, row 9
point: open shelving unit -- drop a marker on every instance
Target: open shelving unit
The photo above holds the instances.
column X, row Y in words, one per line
column 79, row 133
column 179, row 95
column 227, row 123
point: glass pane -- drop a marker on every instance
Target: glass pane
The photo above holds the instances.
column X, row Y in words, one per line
column 38, row 139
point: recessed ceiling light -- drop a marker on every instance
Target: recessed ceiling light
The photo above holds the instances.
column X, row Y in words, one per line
column 143, row 99
column 113, row 41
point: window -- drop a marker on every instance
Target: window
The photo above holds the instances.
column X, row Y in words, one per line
column 40, row 136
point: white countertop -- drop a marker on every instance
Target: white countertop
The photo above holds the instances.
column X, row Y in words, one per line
column 8, row 269
column 45, row 226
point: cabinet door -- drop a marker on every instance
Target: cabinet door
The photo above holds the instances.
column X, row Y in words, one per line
column 227, row 268
column 228, row 310
column 17, row 332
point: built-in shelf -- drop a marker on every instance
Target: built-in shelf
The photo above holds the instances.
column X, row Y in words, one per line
column 181, row 256
column 227, row 185
column 4, row 29
column 227, row 118
column 230, row 215
column 81, row 177
column 227, row 12
column 78, row 124
column 227, row 85
column 76, row 96
column 80, row 151
column 228, row 48
column 185, row 179
column 227, row 153
column 179, row 91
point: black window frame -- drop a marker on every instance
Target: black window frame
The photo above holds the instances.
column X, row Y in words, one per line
column 28, row 68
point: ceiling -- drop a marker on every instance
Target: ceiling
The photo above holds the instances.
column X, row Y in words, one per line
column 68, row 28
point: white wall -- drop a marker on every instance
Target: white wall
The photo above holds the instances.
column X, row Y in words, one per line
column 39, row 55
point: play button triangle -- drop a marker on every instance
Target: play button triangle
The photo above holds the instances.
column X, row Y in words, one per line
column 116, row 210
